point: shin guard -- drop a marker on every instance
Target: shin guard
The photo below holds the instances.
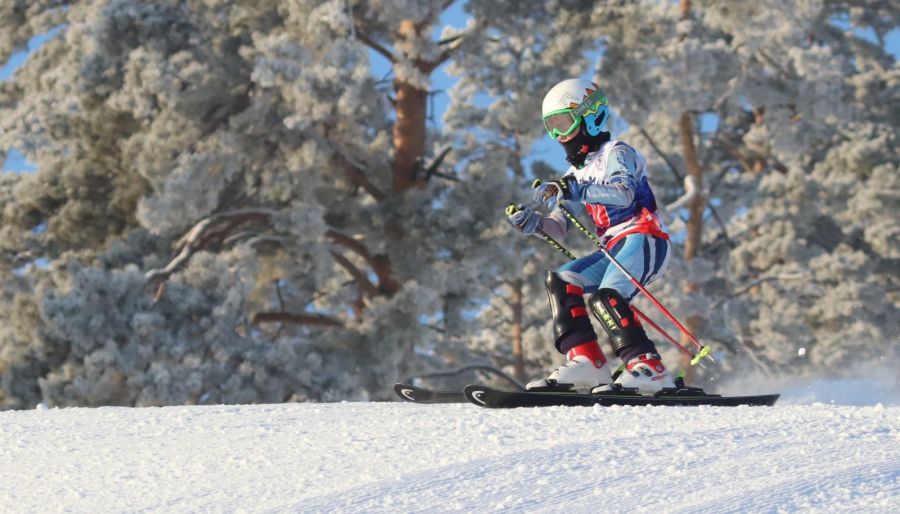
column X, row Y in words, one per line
column 571, row 324
column 626, row 335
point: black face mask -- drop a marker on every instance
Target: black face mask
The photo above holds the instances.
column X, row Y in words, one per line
column 582, row 144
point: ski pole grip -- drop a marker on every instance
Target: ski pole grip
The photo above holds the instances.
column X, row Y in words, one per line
column 512, row 209
column 551, row 191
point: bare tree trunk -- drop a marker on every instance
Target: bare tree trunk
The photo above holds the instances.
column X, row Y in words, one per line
column 409, row 135
column 684, row 8
column 696, row 206
column 516, row 330
column 409, row 128
column 759, row 163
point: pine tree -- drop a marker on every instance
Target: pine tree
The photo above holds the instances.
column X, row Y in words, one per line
column 229, row 207
column 782, row 84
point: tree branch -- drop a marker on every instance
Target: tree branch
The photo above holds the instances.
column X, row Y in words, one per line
column 379, row 263
column 319, row 320
column 448, row 177
column 690, row 192
column 375, row 45
column 464, row 369
column 451, row 39
column 200, row 235
column 755, row 282
column 741, row 158
column 351, row 244
column 662, row 155
column 432, row 167
column 424, row 22
column 452, row 44
column 675, row 171
column 356, row 172
column 363, row 282
column 781, row 69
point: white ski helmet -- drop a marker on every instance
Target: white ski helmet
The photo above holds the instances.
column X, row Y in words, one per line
column 569, row 103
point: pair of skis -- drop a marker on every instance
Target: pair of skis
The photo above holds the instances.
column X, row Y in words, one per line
column 489, row 397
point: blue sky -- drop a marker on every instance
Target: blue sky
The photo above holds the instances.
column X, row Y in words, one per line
column 15, row 161
column 545, row 149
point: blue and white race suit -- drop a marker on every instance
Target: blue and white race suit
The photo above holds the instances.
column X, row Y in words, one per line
column 612, row 187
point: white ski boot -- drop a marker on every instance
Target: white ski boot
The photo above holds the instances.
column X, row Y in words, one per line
column 645, row 372
column 585, row 367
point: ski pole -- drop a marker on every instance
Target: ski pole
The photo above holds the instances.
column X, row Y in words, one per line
column 663, row 333
column 513, row 208
column 703, row 351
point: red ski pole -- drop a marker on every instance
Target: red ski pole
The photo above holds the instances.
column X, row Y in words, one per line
column 659, row 329
column 512, row 208
column 703, row 351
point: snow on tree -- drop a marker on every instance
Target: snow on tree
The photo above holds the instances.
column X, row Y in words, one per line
column 229, row 207
column 791, row 279
column 222, row 160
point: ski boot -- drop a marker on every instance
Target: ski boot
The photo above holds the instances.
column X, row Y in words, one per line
column 585, row 368
column 646, row 373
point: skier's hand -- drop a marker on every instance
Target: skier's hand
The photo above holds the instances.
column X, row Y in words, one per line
column 551, row 193
column 524, row 219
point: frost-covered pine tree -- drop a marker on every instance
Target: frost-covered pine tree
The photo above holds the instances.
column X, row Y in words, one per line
column 790, row 93
column 229, row 207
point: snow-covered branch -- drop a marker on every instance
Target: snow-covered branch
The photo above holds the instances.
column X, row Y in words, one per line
column 362, row 281
column 357, row 173
column 691, row 191
column 206, row 230
column 678, row 174
column 379, row 263
column 743, row 288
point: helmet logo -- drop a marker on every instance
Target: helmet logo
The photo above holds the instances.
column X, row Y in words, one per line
column 590, row 104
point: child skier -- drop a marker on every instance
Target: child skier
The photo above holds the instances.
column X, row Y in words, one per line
column 607, row 179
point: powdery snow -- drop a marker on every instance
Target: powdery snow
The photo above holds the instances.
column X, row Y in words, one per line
column 399, row 457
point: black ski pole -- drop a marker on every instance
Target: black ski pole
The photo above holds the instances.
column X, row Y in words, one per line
column 513, row 208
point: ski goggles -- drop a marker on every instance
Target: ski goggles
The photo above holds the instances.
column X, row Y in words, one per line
column 563, row 122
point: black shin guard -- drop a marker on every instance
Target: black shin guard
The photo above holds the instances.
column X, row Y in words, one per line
column 626, row 335
column 571, row 324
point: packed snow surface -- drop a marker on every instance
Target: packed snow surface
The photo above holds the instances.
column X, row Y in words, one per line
column 401, row 457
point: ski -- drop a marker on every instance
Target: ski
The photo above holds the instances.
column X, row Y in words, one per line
column 488, row 397
column 415, row 394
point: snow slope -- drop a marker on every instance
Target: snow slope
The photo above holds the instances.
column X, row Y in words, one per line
column 399, row 457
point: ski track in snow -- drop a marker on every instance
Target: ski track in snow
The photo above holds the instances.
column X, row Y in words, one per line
column 398, row 457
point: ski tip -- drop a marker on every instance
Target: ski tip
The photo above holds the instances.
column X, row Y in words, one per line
column 415, row 394
column 475, row 394
column 405, row 391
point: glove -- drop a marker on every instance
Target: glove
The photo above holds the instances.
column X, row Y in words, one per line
column 552, row 193
column 524, row 219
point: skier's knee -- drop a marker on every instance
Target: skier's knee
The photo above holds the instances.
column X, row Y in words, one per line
column 571, row 277
column 571, row 324
column 615, row 315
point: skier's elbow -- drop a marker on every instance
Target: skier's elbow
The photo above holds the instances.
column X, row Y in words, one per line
column 627, row 196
